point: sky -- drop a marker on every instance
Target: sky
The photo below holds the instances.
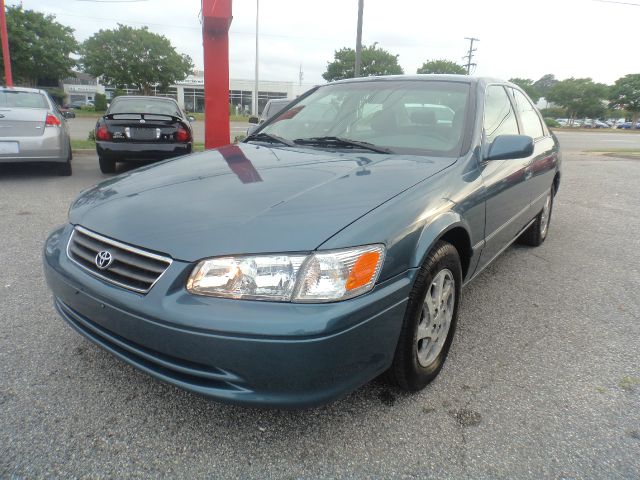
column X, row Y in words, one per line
column 518, row 38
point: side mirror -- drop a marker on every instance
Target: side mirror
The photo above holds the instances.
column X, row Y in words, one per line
column 254, row 120
column 510, row 147
column 191, row 118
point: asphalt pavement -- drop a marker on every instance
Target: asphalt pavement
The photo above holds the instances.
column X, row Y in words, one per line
column 543, row 379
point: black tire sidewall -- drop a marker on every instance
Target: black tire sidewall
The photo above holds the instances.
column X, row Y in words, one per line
column 416, row 377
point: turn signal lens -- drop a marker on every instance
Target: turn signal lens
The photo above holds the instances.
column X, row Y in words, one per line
column 363, row 270
column 52, row 121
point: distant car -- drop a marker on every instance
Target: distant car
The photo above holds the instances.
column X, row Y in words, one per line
column 628, row 125
column 33, row 129
column 272, row 107
column 139, row 128
column 73, row 106
column 67, row 112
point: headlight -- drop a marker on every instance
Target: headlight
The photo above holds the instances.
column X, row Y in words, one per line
column 326, row 276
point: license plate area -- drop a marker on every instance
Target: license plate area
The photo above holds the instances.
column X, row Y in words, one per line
column 135, row 133
column 8, row 148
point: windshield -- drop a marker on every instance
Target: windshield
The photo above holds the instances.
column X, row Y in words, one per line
column 14, row 99
column 413, row 117
column 144, row 105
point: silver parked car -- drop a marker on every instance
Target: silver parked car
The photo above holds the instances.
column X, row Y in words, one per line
column 32, row 129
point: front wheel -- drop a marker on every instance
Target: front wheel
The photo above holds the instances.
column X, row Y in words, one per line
column 430, row 320
column 107, row 165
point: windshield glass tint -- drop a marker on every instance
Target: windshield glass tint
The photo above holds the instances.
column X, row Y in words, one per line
column 144, row 105
column 412, row 117
column 15, row 99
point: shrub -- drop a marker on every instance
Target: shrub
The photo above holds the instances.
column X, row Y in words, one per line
column 92, row 135
column 551, row 123
column 100, row 101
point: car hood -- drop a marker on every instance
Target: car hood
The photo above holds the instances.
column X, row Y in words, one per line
column 246, row 199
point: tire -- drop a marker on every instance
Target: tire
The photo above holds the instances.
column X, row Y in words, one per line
column 64, row 169
column 107, row 165
column 536, row 234
column 417, row 361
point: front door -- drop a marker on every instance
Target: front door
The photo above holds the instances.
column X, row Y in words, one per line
column 507, row 196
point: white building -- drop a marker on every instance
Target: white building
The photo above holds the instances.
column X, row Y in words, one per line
column 189, row 92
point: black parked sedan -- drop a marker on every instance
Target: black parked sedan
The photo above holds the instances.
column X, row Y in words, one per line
column 142, row 128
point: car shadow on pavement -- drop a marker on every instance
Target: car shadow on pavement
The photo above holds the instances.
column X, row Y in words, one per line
column 29, row 170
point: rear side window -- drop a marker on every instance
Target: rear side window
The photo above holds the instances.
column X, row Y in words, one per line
column 528, row 115
column 499, row 117
column 14, row 99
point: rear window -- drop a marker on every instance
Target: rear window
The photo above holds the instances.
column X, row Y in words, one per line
column 14, row 99
column 144, row 105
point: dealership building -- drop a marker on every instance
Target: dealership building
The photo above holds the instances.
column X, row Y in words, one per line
column 189, row 92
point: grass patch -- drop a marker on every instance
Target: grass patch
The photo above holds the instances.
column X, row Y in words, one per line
column 629, row 383
column 82, row 144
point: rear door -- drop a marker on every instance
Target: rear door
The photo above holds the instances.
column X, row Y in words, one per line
column 506, row 191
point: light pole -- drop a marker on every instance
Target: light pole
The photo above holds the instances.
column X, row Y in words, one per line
column 254, row 107
column 356, row 72
column 5, row 46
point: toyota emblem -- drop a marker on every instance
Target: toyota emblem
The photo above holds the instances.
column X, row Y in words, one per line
column 104, row 259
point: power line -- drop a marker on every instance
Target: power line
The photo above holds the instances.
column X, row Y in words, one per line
column 619, row 3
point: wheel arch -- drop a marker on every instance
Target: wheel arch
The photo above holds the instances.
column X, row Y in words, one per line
column 449, row 227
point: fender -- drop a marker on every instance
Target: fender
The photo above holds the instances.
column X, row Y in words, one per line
column 437, row 228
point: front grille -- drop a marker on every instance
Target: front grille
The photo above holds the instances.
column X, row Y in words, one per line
column 130, row 267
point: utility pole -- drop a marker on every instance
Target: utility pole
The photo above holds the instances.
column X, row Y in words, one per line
column 300, row 75
column 356, row 72
column 469, row 57
column 5, row 46
column 255, row 105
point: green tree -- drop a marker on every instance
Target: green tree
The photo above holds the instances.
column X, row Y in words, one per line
column 39, row 47
column 582, row 97
column 442, row 66
column 545, row 83
column 528, row 86
column 129, row 56
column 375, row 61
column 625, row 94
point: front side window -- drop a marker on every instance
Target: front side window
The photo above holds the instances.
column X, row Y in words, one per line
column 402, row 116
column 499, row 117
column 528, row 115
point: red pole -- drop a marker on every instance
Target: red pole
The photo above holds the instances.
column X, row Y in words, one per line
column 5, row 46
column 215, row 40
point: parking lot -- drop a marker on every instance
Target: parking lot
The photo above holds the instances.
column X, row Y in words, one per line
column 543, row 379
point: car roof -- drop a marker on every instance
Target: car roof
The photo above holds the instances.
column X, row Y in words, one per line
column 426, row 77
column 23, row 89
column 142, row 97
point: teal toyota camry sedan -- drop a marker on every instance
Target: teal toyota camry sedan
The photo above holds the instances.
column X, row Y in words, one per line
column 330, row 247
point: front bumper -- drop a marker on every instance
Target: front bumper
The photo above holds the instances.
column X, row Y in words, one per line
column 248, row 352
column 141, row 151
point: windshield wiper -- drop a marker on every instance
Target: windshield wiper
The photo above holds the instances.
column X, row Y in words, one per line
column 270, row 138
column 340, row 142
